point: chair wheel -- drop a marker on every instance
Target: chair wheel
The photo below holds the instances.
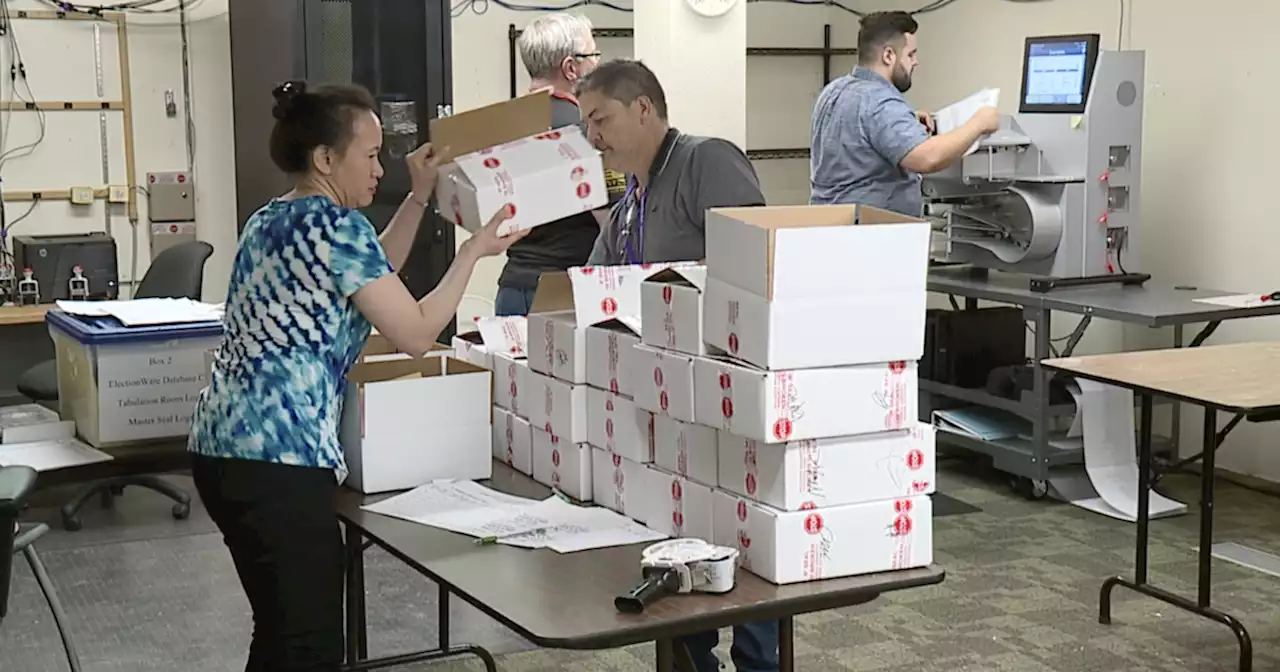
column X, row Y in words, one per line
column 181, row 511
column 71, row 523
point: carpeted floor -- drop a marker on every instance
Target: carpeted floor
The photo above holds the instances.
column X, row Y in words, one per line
column 148, row 593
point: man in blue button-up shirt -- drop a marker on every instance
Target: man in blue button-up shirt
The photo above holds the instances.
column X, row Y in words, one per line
column 868, row 146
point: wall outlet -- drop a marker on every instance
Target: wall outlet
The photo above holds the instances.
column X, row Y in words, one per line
column 82, row 195
column 118, row 194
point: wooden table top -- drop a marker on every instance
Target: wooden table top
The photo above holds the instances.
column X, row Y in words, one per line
column 10, row 315
column 565, row 601
column 1239, row 378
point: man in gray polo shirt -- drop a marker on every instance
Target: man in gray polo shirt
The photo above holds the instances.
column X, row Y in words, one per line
column 673, row 179
column 867, row 145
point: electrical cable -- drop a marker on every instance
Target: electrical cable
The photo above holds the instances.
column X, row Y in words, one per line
column 480, row 7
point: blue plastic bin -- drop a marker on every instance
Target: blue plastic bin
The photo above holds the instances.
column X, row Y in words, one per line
column 127, row 384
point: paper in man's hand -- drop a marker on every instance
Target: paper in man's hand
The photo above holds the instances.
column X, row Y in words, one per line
column 958, row 114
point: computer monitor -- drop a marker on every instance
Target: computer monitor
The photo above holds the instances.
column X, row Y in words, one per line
column 1057, row 72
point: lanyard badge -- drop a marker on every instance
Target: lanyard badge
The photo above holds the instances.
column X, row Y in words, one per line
column 631, row 233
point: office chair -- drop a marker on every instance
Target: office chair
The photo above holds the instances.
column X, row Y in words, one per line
column 177, row 272
column 16, row 483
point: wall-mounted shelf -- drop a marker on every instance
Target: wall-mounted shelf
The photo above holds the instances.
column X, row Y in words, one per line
column 826, row 51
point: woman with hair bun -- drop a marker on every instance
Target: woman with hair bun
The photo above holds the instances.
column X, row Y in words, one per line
column 309, row 279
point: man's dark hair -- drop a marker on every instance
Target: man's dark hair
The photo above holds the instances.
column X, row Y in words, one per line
column 881, row 29
column 306, row 119
column 626, row 80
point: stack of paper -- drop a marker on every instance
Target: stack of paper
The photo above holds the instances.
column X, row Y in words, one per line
column 958, row 114
column 468, row 508
column 144, row 312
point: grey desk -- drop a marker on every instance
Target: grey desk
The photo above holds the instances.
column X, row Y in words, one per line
column 1239, row 379
column 566, row 601
column 1153, row 304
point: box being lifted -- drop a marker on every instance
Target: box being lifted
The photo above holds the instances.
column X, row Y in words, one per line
column 507, row 155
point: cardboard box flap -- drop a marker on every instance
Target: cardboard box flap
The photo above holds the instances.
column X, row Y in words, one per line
column 402, row 369
column 625, row 326
column 554, row 293
column 598, row 293
column 691, row 276
column 473, row 337
column 504, row 334
column 492, row 125
column 814, row 216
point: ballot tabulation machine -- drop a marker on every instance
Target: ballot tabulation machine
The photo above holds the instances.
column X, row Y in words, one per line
column 1056, row 191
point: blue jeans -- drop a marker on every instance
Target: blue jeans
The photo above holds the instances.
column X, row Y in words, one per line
column 513, row 301
column 755, row 648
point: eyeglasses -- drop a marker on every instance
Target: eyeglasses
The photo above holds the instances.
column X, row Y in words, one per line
column 594, row 54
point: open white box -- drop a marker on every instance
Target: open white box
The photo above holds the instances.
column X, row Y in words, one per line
column 796, row 287
column 407, row 422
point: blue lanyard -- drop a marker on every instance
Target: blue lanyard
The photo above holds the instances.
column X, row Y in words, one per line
column 634, row 215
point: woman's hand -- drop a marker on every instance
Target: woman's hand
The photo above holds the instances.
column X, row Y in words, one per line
column 424, row 169
column 486, row 242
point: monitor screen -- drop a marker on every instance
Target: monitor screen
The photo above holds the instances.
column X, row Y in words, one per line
column 1057, row 73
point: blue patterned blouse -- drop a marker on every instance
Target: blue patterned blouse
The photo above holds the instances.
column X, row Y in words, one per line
column 292, row 334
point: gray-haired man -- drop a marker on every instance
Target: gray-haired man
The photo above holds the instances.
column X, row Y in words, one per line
column 558, row 50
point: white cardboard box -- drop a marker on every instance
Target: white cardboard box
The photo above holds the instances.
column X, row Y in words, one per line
column 781, row 406
column 512, row 440
column 469, row 347
column 504, row 334
column 539, row 177
column 609, row 347
column 616, row 425
column 663, row 382
column 816, row 473
column 597, row 294
column 686, row 449
column 815, row 544
column 562, row 465
column 411, row 421
column 619, row 484
column 559, row 346
column 671, row 309
column 771, row 300
column 511, row 383
column 679, row 507
column 557, row 407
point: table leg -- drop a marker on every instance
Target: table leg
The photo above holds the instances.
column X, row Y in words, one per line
column 357, row 625
column 786, row 645
column 442, row 604
column 664, row 655
column 1201, row 606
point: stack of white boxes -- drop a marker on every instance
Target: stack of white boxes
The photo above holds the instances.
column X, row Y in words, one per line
column 683, row 474
column 589, row 439
column 499, row 344
column 805, row 419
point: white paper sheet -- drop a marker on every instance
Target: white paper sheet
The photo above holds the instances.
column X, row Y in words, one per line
column 144, row 312
column 50, row 455
column 959, row 113
column 468, row 508
column 1109, row 484
column 1235, row 300
column 597, row 528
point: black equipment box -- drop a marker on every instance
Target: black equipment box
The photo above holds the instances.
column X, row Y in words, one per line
column 52, row 259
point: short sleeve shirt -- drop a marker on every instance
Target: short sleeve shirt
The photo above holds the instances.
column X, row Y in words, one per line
column 862, row 130
column 692, row 174
column 291, row 335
